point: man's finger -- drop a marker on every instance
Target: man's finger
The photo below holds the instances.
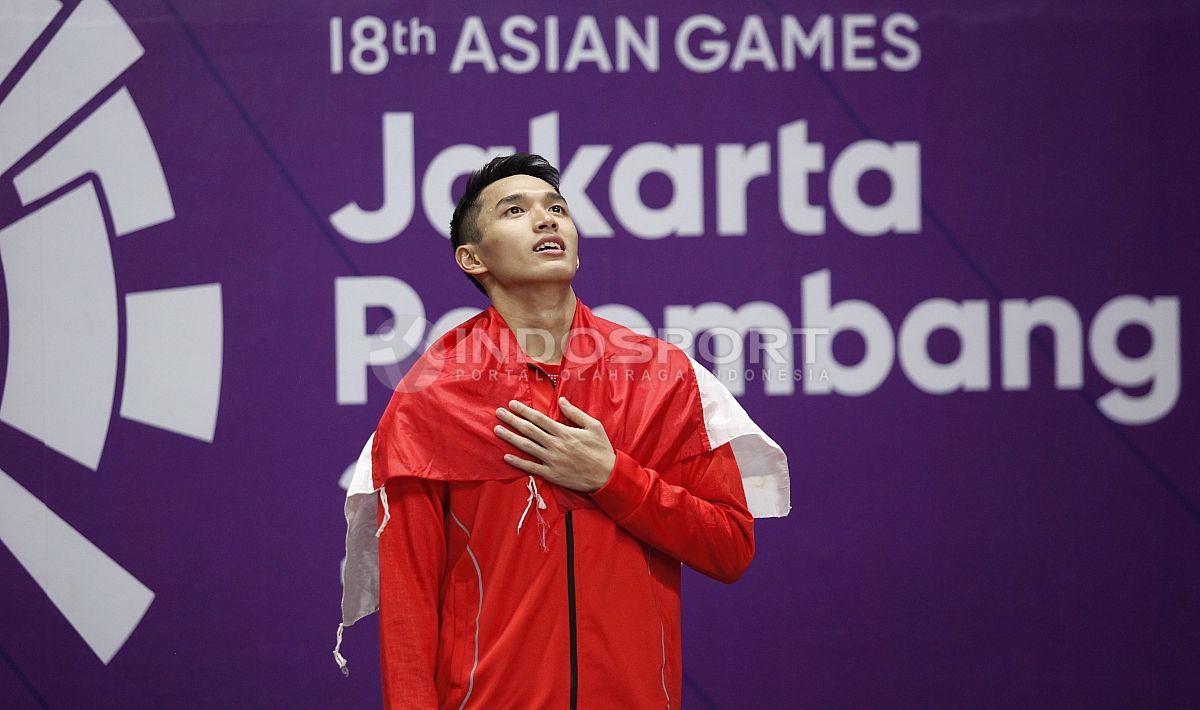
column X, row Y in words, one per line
column 576, row 414
column 526, row 427
column 527, row 466
column 533, row 415
column 529, row 447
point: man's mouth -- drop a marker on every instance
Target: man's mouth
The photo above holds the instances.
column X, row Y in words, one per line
column 550, row 245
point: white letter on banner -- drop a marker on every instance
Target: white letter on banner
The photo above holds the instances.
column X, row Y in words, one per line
column 797, row 159
column 737, row 165
column 1159, row 367
column 684, row 215
column 645, row 46
column 969, row 321
column 726, row 327
column 821, row 37
column 575, row 178
column 438, row 183
column 587, row 45
column 716, row 50
column 359, row 225
column 1018, row 318
column 509, row 37
column 551, row 29
column 753, row 45
column 543, row 139
column 911, row 55
column 860, row 316
column 902, row 211
column 357, row 349
column 473, row 46
column 853, row 40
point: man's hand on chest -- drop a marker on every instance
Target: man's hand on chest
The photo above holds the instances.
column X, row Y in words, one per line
column 579, row 458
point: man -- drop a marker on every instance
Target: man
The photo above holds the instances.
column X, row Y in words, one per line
column 542, row 473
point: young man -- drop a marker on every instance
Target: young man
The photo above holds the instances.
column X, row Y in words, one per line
column 542, row 473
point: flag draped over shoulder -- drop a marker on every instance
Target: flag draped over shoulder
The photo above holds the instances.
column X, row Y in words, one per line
column 657, row 405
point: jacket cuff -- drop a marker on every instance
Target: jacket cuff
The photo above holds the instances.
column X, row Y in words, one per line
column 627, row 487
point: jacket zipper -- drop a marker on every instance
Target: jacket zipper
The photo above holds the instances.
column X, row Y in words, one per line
column 571, row 611
column 570, row 529
column 571, row 618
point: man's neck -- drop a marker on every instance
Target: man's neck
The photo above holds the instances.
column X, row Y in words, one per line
column 539, row 317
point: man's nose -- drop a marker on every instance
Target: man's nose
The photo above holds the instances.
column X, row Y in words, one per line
column 545, row 219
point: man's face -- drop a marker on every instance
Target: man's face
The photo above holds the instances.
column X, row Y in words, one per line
column 527, row 236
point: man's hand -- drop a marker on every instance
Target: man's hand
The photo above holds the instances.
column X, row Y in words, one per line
column 576, row 457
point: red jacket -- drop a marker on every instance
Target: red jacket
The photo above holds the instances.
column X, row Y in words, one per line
column 473, row 614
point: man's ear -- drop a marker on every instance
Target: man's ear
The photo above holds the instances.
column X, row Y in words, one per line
column 467, row 258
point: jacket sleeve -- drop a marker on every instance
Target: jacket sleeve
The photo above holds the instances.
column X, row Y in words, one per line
column 703, row 522
column 412, row 557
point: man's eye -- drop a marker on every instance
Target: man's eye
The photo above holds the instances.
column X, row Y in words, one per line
column 514, row 210
column 556, row 208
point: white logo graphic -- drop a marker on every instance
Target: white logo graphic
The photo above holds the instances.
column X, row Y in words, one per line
column 101, row 180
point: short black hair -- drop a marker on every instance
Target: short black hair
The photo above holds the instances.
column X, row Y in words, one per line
column 463, row 229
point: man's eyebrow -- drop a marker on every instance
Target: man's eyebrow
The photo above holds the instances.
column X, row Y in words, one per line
column 549, row 195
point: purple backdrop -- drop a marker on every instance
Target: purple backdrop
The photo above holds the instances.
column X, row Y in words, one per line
column 977, row 543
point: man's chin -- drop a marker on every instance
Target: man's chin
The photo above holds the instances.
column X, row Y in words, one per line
column 540, row 278
column 555, row 271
